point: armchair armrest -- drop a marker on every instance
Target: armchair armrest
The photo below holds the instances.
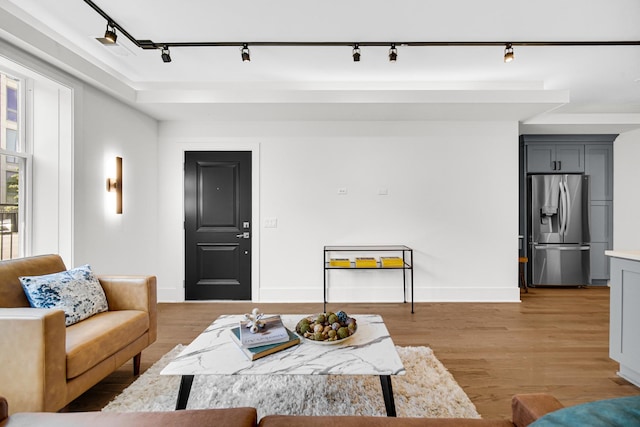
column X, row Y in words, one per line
column 4, row 409
column 33, row 360
column 133, row 293
column 526, row 408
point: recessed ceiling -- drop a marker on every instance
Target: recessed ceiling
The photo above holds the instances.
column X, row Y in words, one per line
column 598, row 79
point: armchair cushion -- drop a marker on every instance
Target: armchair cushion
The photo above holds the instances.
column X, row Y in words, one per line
column 77, row 292
column 93, row 340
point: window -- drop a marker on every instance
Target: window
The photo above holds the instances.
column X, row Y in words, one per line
column 12, row 161
column 12, row 103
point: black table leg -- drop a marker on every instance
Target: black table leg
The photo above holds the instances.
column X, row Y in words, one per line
column 387, row 393
column 185, row 390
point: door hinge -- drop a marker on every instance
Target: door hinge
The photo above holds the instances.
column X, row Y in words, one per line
column 183, row 285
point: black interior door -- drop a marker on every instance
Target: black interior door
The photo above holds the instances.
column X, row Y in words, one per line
column 217, row 187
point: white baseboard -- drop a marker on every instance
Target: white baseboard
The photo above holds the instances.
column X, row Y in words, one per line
column 345, row 294
column 448, row 294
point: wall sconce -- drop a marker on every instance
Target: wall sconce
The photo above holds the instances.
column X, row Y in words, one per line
column 115, row 184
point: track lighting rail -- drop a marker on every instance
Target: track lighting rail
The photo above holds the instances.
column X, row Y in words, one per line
column 149, row 44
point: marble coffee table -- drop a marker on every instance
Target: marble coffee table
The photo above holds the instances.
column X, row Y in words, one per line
column 369, row 352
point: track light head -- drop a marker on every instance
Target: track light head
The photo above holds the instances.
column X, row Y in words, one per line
column 508, row 53
column 166, row 55
column 393, row 53
column 110, row 35
column 356, row 52
column 246, row 55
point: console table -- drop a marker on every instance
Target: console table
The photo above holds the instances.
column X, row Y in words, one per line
column 399, row 250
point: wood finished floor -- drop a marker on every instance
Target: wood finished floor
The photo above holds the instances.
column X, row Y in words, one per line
column 555, row 341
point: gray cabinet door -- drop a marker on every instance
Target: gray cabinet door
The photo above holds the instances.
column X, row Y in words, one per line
column 599, row 263
column 569, row 158
column 601, row 239
column 540, row 158
column 599, row 165
column 555, row 158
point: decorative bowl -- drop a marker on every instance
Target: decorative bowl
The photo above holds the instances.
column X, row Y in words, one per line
column 329, row 331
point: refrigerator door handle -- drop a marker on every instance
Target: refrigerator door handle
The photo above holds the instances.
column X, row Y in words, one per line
column 566, row 217
column 563, row 209
column 562, row 248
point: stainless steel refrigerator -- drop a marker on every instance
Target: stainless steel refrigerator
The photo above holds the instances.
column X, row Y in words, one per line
column 559, row 238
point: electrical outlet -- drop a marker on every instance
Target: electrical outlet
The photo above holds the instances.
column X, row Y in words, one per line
column 271, row 223
column 342, row 191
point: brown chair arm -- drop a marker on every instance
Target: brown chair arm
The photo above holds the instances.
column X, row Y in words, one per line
column 4, row 410
column 133, row 293
column 526, row 408
column 33, row 360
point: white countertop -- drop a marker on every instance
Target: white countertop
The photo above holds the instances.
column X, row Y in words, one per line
column 632, row 255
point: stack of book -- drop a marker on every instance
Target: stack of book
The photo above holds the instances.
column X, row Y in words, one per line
column 268, row 340
column 391, row 262
column 366, row 262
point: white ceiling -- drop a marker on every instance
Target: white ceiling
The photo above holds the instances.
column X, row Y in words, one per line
column 545, row 87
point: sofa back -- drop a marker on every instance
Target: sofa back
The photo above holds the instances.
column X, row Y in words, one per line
column 11, row 292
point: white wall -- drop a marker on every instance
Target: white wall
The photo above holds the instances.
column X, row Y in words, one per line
column 626, row 193
column 112, row 243
column 452, row 197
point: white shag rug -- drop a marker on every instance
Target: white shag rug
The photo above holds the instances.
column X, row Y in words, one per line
column 427, row 390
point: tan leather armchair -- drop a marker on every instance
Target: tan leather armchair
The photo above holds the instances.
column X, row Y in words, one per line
column 45, row 365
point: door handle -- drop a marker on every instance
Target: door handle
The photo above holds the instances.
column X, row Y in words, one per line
column 554, row 164
column 562, row 248
column 244, row 235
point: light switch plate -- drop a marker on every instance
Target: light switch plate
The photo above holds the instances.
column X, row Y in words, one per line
column 271, row 223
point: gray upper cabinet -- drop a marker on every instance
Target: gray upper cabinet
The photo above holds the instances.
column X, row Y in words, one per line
column 554, row 158
column 599, row 164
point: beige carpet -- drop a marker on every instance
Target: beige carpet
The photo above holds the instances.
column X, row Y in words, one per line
column 427, row 390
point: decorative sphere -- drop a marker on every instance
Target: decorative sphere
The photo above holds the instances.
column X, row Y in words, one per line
column 343, row 333
column 304, row 327
column 342, row 316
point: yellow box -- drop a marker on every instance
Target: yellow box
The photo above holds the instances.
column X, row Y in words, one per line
column 391, row 262
column 340, row 262
column 366, row 262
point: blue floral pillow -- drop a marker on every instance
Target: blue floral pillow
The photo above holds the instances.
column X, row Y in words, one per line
column 77, row 292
